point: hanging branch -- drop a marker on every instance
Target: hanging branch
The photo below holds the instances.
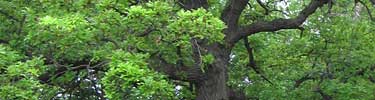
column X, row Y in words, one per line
column 330, row 5
column 252, row 61
column 367, row 9
column 302, row 30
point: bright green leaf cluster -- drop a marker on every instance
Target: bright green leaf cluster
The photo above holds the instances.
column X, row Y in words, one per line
column 65, row 34
column 129, row 78
column 198, row 24
column 19, row 79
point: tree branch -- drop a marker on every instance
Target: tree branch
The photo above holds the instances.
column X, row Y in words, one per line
column 367, row 9
column 321, row 92
column 60, row 70
column 264, row 7
column 301, row 80
column 277, row 24
column 232, row 13
column 252, row 61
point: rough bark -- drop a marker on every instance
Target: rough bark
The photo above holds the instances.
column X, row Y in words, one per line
column 213, row 85
column 231, row 14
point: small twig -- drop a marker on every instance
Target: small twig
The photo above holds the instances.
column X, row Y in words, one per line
column 146, row 32
column 135, row 3
column 117, row 46
column 301, row 80
column 284, row 13
column 249, row 4
column 302, row 30
column 265, row 7
column 119, row 11
column 199, row 51
column 325, row 96
column 21, row 24
column 181, row 4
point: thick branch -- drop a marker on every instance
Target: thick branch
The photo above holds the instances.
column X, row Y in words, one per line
column 232, row 13
column 277, row 24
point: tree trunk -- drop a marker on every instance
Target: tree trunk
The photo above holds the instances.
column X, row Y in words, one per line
column 213, row 86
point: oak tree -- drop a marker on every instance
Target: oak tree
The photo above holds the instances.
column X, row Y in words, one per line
column 187, row 49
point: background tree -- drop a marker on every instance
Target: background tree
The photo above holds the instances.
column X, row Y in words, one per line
column 187, row 49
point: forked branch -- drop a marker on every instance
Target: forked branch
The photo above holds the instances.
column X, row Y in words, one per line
column 277, row 24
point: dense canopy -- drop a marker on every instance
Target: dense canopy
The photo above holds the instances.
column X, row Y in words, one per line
column 187, row 49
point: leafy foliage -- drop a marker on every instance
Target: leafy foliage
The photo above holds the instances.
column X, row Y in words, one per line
column 108, row 49
column 129, row 78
